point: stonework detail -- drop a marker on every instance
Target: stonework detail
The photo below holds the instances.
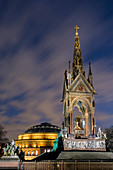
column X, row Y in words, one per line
column 84, row 144
column 78, row 92
column 79, row 106
column 89, row 99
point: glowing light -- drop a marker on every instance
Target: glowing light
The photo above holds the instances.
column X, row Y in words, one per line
column 36, row 152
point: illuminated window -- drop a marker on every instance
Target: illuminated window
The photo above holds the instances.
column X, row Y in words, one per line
column 28, row 153
column 36, row 152
column 44, row 150
column 48, row 150
column 32, row 153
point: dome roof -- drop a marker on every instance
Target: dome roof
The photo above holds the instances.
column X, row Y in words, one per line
column 43, row 127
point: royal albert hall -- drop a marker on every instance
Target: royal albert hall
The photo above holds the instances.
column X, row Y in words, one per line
column 37, row 139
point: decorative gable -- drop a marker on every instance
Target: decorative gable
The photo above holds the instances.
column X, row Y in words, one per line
column 80, row 84
column 80, row 87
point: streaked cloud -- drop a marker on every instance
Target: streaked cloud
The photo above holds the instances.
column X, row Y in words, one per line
column 35, row 46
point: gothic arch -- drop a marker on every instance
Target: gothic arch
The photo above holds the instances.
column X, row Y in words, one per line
column 84, row 101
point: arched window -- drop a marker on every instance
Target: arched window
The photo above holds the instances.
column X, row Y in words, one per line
column 36, row 152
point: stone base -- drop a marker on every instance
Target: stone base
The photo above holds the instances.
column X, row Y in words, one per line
column 84, row 156
column 85, row 144
column 9, row 162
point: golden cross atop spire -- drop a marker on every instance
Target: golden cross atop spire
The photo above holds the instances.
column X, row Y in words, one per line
column 76, row 28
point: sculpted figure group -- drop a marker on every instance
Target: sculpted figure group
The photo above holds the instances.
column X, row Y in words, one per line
column 10, row 149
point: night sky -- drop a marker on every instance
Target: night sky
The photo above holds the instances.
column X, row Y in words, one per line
column 36, row 43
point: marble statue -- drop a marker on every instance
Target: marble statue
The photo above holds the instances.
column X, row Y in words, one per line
column 6, row 150
column 100, row 134
column 10, row 149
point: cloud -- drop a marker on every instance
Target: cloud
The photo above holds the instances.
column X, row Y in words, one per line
column 36, row 45
column 103, row 81
column 102, row 119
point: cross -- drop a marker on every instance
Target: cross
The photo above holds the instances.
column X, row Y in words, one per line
column 76, row 30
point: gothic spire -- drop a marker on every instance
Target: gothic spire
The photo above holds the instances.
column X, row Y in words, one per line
column 77, row 61
column 90, row 77
column 90, row 69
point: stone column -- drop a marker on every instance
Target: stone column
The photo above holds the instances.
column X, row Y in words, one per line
column 86, row 124
column 94, row 126
column 71, row 123
column 68, row 123
column 65, row 121
column 91, row 124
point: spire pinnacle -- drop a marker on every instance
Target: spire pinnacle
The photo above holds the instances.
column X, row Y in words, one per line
column 76, row 28
column 90, row 77
column 77, row 43
column 77, row 60
column 90, row 69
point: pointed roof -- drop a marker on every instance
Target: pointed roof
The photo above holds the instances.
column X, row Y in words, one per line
column 79, row 78
column 90, row 69
column 77, row 60
column 65, row 85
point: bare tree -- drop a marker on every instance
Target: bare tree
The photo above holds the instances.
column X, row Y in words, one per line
column 3, row 139
column 109, row 141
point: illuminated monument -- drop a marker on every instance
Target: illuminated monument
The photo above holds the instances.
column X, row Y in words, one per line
column 78, row 92
column 78, row 130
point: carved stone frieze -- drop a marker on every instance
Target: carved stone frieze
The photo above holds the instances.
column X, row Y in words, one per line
column 84, row 144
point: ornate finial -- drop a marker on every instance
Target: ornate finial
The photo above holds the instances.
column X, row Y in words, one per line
column 90, row 69
column 77, row 67
column 69, row 68
column 76, row 28
column 90, row 77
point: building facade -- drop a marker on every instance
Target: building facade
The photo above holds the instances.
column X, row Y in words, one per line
column 37, row 140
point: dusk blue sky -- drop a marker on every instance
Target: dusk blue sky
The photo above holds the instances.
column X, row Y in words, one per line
column 36, row 43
